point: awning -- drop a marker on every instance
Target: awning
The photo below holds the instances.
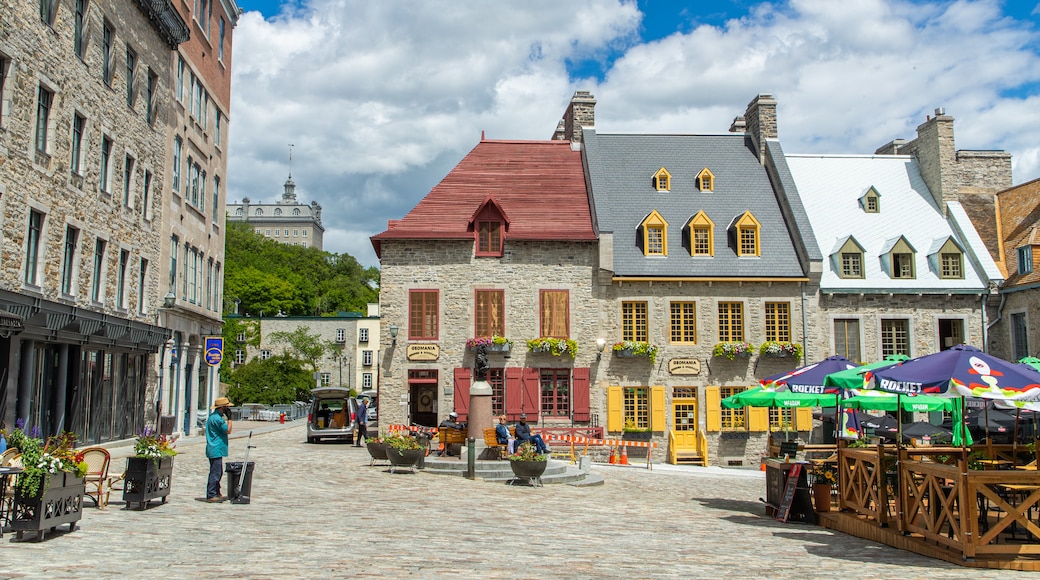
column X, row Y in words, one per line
column 10, row 323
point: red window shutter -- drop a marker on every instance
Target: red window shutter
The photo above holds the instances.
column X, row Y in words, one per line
column 462, row 381
column 513, row 394
column 532, row 395
column 580, row 396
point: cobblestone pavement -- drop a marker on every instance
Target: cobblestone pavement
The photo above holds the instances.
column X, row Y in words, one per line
column 321, row 511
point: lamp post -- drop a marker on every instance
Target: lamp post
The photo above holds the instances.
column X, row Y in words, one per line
column 393, row 334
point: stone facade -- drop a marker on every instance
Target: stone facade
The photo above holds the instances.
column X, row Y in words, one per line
column 1014, row 332
column 82, row 149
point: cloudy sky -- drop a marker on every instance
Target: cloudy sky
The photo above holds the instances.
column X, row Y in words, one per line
column 382, row 98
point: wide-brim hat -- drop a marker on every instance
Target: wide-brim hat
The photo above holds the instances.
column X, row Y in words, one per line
column 222, row 402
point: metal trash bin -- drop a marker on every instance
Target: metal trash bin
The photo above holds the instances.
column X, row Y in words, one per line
column 234, row 473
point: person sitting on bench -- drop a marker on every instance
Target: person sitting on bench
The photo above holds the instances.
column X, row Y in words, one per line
column 451, row 422
column 502, row 435
column 523, row 435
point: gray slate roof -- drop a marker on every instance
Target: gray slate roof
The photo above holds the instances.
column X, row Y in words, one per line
column 620, row 169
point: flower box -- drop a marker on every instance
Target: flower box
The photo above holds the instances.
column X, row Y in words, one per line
column 731, row 350
column 492, row 343
column 147, row 479
column 777, row 349
column 630, row 348
column 553, row 346
column 59, row 501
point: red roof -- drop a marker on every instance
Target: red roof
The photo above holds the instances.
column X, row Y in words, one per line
column 539, row 185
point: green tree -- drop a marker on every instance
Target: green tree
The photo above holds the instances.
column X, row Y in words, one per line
column 234, row 328
column 277, row 380
column 307, row 347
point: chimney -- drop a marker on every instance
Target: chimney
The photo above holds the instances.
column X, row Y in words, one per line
column 738, row 125
column 580, row 113
column 937, row 157
column 760, row 119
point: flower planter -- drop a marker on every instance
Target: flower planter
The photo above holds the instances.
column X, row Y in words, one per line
column 407, row 458
column 147, row 479
column 498, row 347
column 59, row 501
column 822, row 496
column 527, row 472
column 377, row 449
column 625, row 353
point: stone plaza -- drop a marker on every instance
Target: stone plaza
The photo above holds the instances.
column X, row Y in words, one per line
column 322, row 511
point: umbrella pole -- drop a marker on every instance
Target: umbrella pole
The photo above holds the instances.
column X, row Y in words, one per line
column 989, row 440
column 1014, row 443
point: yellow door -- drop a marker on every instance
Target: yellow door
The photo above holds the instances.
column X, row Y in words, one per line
column 684, row 433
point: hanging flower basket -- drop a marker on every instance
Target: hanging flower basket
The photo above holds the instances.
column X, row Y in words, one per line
column 732, row 350
column 493, row 343
column 629, row 348
column 554, row 346
column 780, row 349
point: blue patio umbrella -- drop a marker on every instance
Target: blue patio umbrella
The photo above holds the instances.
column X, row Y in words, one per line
column 809, row 379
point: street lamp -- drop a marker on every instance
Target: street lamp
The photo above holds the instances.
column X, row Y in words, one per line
column 393, row 334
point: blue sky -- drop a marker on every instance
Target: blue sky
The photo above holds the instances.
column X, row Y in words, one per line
column 382, row 99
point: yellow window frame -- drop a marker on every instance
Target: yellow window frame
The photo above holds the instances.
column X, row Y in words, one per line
column 748, row 225
column 662, row 180
column 655, row 235
column 706, row 180
column 701, row 222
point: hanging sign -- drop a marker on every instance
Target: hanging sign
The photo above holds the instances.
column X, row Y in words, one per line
column 684, row 366
column 423, row 352
column 214, row 348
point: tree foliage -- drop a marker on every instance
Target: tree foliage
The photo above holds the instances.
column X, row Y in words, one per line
column 277, row 380
column 303, row 345
column 269, row 277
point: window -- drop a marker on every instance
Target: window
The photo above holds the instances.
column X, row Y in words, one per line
column 489, row 238
column 778, row 321
column 366, row 381
column 216, row 136
column 296, row 211
column 732, row 419
column 636, row 413
column 684, row 408
column 304, row 233
column 556, row 392
column 79, row 34
column 5, row 65
column 43, row 114
column 142, row 277
column 781, row 419
column 422, row 314
column 48, row 11
column 731, row 321
column 1025, row 259
column 287, row 233
column 362, row 335
column 276, row 232
column 851, row 265
column 107, row 39
column 32, row 246
column 871, row 205
column 180, row 78
column 68, row 261
column 240, row 357
column 951, row 265
column 900, row 255
column 634, row 321
column 871, row 200
column 177, row 144
column 748, row 236
column 131, row 77
column 846, row 339
column 654, row 235
column 326, row 379
column 296, row 233
column 146, row 197
column 683, row 322
column 303, row 244
column 128, row 174
column 702, row 233
column 220, row 48
column 124, row 261
column 79, row 124
column 555, row 313
column 1019, row 335
column 895, row 337
column 202, row 192
column 175, row 246
column 662, row 180
column 106, row 158
column 366, row 358
column 153, row 82
column 97, row 284
column 902, row 265
column 216, row 195
column 951, row 332
column 706, row 180
column 266, row 354
column 489, row 313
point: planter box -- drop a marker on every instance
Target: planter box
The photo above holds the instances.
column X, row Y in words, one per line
column 408, row 458
column 493, row 348
column 59, row 501
column 147, row 479
column 377, row 449
column 625, row 353
column 527, row 472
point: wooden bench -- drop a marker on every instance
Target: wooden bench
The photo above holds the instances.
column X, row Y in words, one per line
column 450, row 437
column 491, row 440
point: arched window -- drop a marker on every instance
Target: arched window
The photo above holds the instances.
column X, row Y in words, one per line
column 277, row 211
column 296, row 211
column 259, row 211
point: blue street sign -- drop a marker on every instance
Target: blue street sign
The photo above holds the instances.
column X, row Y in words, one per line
column 214, row 350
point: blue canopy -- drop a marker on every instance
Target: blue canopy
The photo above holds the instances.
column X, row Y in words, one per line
column 810, row 378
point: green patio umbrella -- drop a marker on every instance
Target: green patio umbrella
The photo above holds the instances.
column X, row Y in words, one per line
column 1031, row 361
column 760, row 397
column 920, row 403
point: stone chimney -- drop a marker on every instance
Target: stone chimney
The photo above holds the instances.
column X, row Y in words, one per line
column 738, row 125
column 580, row 113
column 937, row 157
column 760, row 119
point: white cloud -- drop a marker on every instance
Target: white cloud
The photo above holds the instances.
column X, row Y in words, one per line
column 381, row 99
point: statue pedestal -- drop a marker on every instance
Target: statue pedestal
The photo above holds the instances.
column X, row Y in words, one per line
column 480, row 413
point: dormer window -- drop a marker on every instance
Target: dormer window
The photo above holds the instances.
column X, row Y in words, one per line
column 489, row 225
column 870, row 201
column 259, row 211
column 238, row 211
column 748, row 239
column 277, row 211
column 706, row 180
column 848, row 259
column 900, row 256
column 662, row 180
column 702, row 235
column 654, row 235
column 1025, row 259
column 947, row 259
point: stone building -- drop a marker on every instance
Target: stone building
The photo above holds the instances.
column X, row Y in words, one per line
column 352, row 362
column 286, row 221
column 192, row 260
column 1014, row 332
column 85, row 98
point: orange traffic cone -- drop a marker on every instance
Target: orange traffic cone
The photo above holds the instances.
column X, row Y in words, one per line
column 762, row 465
column 624, row 455
column 613, row 458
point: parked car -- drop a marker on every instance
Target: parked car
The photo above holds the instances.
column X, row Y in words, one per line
column 371, row 394
column 333, row 415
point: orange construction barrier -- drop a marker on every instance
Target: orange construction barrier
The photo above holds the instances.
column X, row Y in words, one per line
column 624, row 455
column 613, row 458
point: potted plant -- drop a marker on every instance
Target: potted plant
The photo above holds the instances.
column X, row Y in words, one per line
column 376, row 448
column 49, row 491
column 780, row 349
column 149, row 471
column 825, row 477
column 630, row 348
column 494, row 343
column 732, row 350
column 527, row 462
column 403, row 450
column 553, row 346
